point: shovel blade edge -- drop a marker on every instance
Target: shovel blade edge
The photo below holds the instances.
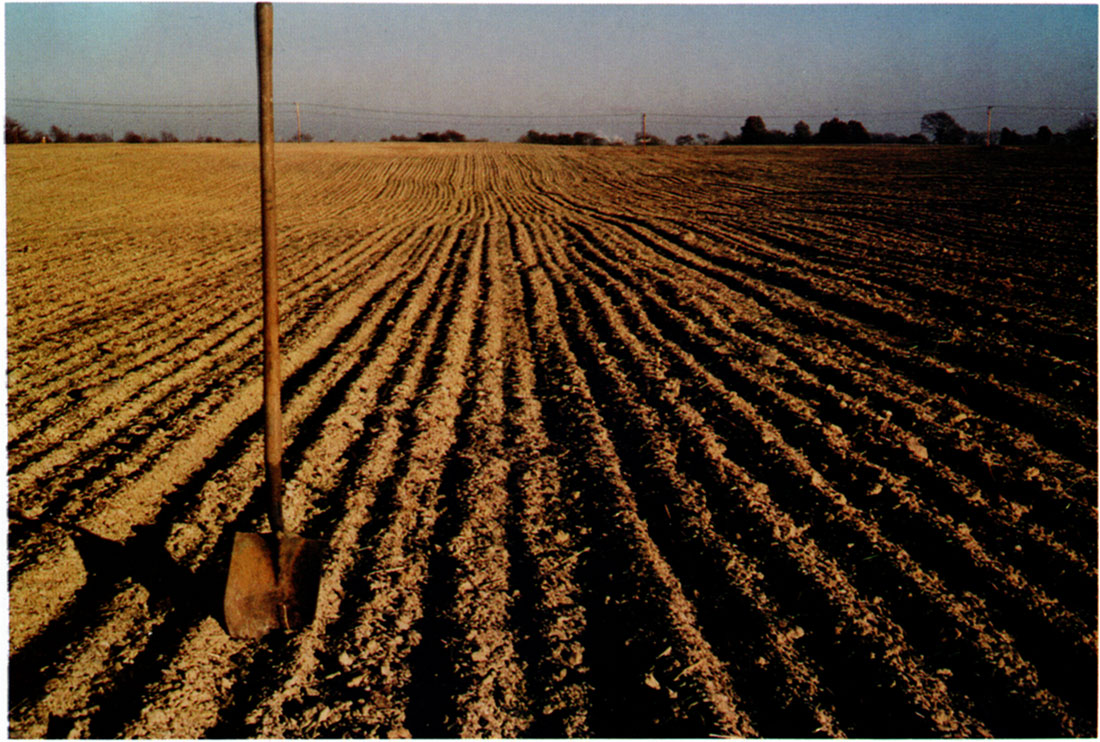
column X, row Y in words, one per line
column 299, row 578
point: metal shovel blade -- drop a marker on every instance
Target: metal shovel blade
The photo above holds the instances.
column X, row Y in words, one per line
column 273, row 582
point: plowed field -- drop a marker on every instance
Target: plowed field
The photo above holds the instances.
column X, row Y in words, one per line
column 684, row 441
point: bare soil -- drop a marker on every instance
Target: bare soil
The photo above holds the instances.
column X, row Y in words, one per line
column 604, row 442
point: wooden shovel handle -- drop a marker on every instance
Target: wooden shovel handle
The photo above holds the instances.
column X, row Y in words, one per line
column 273, row 422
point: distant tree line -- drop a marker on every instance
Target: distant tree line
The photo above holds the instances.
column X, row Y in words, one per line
column 938, row 127
column 943, row 129
column 579, row 138
column 431, row 136
column 16, row 133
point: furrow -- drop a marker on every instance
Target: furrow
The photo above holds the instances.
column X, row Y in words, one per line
column 854, row 614
column 328, row 465
column 193, row 536
column 682, row 367
column 547, row 545
column 399, row 556
column 689, row 674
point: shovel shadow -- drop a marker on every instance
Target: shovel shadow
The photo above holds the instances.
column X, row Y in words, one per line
column 144, row 558
column 182, row 597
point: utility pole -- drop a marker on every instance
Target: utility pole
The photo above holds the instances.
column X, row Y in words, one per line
column 643, row 131
column 988, row 124
column 298, row 115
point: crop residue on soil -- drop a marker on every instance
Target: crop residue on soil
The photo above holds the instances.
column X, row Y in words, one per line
column 604, row 442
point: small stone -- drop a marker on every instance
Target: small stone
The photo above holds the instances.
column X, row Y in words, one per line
column 917, row 448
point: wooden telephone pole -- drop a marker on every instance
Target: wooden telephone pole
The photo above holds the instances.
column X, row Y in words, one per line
column 298, row 115
column 988, row 124
column 643, row 131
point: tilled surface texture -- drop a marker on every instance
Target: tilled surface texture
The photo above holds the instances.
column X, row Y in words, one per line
column 683, row 441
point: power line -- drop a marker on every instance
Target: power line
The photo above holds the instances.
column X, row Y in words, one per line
column 132, row 106
column 1044, row 108
column 332, row 109
column 493, row 116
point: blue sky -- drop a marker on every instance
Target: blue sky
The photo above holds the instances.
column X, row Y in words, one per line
column 364, row 71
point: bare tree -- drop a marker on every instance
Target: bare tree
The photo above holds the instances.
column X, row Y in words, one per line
column 1084, row 131
column 15, row 132
column 753, row 131
column 943, row 129
column 802, row 133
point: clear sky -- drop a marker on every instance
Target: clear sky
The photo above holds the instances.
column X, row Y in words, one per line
column 364, row 71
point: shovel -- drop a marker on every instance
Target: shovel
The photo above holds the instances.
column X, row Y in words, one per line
column 273, row 577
